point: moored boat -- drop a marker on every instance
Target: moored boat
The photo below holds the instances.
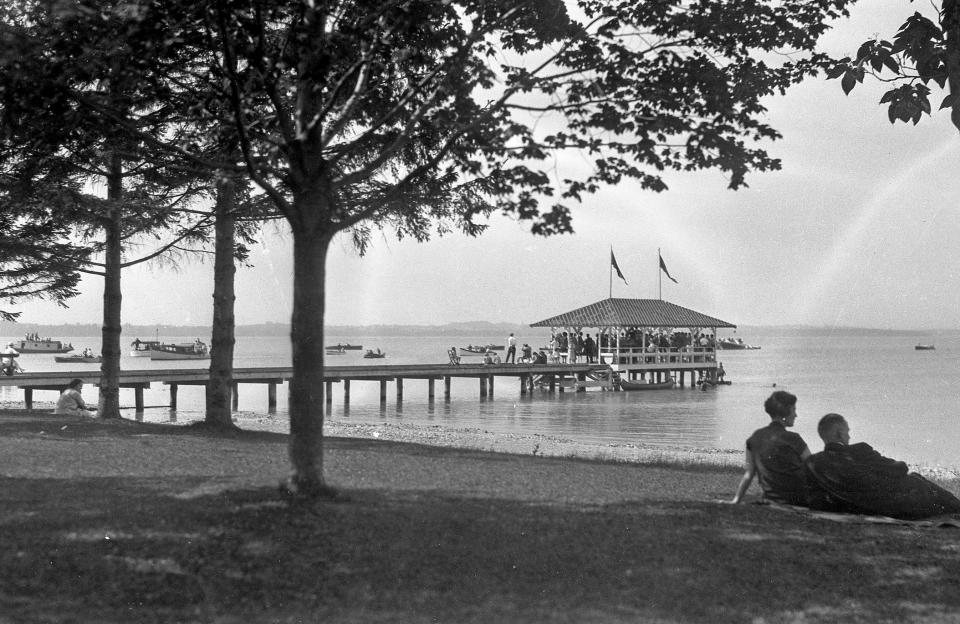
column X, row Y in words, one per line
column 925, row 347
column 33, row 343
column 734, row 344
column 707, row 382
column 196, row 350
column 630, row 386
column 480, row 349
column 141, row 348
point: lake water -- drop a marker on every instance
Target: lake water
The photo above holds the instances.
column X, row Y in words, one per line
column 902, row 401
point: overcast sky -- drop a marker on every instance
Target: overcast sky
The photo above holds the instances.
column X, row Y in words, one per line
column 860, row 228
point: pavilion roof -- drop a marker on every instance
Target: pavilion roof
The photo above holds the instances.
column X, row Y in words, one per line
column 632, row 313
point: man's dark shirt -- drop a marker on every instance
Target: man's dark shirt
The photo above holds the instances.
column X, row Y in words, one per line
column 777, row 454
column 858, row 479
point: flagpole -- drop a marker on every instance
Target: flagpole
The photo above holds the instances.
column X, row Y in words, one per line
column 610, row 296
column 659, row 277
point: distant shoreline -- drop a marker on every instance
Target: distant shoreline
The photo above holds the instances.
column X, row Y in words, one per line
column 466, row 329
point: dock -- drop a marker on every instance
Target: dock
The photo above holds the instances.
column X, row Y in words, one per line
column 553, row 377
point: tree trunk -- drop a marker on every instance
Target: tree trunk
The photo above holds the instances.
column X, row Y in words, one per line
column 306, row 387
column 108, row 404
column 220, row 385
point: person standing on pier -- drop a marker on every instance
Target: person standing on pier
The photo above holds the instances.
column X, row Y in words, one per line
column 511, row 350
column 590, row 349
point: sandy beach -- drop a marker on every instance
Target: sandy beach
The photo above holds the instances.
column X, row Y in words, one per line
column 131, row 522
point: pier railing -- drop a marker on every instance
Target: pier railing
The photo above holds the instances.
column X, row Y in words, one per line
column 659, row 358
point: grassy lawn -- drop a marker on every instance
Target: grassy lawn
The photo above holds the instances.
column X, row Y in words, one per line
column 136, row 523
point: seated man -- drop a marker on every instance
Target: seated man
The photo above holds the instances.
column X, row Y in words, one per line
column 454, row 358
column 858, row 479
column 8, row 362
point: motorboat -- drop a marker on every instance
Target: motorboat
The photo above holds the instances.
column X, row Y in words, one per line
column 33, row 343
column 481, row 349
column 196, row 350
column 141, row 348
column 925, row 347
column 371, row 354
column 734, row 344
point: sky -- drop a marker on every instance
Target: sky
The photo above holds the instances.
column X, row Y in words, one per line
column 858, row 229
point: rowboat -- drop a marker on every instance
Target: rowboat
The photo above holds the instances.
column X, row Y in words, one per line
column 180, row 351
column 924, row 347
column 77, row 359
column 630, row 386
column 713, row 382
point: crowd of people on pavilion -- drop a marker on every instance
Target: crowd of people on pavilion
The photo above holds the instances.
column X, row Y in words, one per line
column 573, row 347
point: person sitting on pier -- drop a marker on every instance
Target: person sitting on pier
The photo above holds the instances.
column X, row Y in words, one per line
column 8, row 361
column 526, row 354
column 490, row 357
column 454, row 358
column 775, row 456
column 857, row 479
column 71, row 402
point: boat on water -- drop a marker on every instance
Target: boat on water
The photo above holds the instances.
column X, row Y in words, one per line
column 734, row 344
column 196, row 350
column 631, row 386
column 343, row 347
column 87, row 357
column 371, row 354
column 141, row 348
column 707, row 382
column 481, row 349
column 925, row 347
column 33, row 343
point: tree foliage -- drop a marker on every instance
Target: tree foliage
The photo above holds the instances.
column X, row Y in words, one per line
column 31, row 266
column 923, row 54
column 427, row 115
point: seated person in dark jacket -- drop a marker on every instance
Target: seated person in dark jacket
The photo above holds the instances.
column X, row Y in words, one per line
column 858, row 479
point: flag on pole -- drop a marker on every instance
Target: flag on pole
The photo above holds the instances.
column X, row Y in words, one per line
column 663, row 267
column 613, row 263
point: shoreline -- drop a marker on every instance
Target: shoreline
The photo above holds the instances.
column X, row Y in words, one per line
column 536, row 445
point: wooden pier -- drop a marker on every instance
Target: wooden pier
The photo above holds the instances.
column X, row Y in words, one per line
column 554, row 377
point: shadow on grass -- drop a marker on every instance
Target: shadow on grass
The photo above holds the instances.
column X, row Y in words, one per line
column 114, row 550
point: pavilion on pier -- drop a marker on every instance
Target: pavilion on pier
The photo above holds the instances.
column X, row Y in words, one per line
column 636, row 337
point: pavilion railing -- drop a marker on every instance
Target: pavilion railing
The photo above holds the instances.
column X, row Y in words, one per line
column 659, row 357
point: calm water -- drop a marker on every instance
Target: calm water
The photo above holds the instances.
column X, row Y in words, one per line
column 902, row 401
